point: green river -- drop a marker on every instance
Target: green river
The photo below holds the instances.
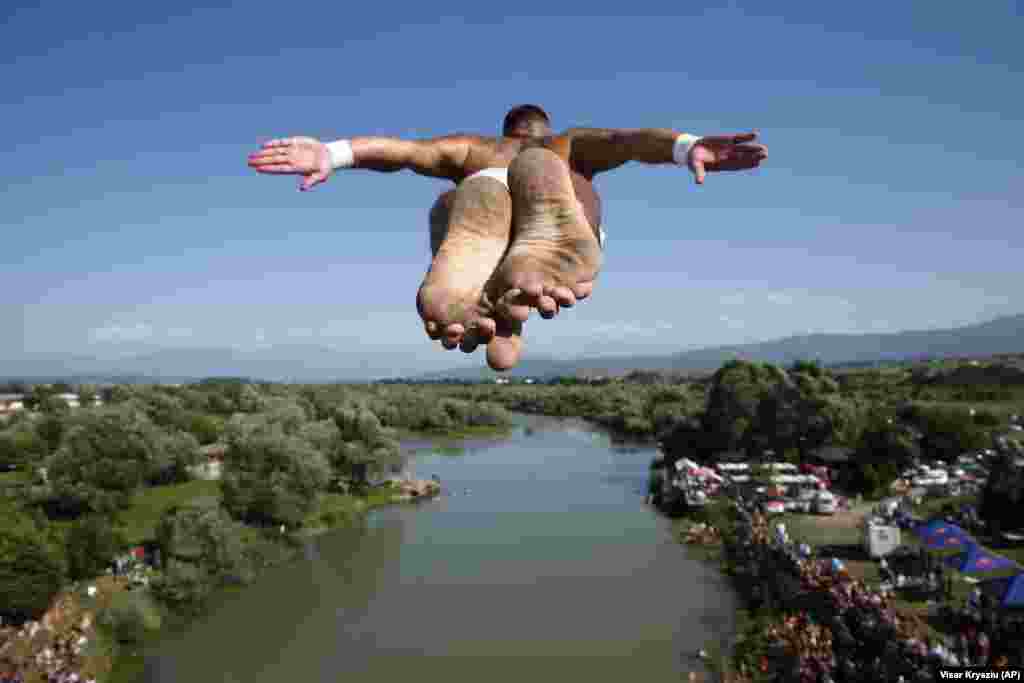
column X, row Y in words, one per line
column 540, row 562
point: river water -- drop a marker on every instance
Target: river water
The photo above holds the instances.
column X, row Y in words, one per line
column 540, row 562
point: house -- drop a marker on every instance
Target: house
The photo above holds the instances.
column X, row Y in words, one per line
column 211, row 462
column 10, row 403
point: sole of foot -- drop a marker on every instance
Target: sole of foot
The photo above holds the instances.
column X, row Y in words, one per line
column 555, row 254
column 470, row 231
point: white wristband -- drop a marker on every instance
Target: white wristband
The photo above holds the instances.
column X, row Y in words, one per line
column 340, row 152
column 681, row 150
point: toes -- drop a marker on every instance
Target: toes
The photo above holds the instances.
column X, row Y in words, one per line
column 485, row 330
column 480, row 332
column 454, row 333
column 547, row 307
column 563, row 296
column 583, row 289
column 515, row 305
column 504, row 350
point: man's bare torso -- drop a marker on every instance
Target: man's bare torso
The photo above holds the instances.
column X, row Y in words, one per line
column 487, row 152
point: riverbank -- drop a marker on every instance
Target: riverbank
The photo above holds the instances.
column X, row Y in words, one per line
column 806, row 616
column 91, row 628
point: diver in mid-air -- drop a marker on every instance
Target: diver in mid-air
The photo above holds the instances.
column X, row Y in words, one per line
column 522, row 228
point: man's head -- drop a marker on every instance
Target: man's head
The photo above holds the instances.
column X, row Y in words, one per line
column 526, row 120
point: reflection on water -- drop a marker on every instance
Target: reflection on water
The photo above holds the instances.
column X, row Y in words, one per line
column 544, row 563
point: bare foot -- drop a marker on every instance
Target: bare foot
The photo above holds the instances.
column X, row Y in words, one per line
column 554, row 256
column 470, row 230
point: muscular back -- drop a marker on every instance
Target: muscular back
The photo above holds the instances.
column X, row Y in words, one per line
column 486, row 152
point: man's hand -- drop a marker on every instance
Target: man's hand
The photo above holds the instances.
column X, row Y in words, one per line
column 725, row 153
column 307, row 157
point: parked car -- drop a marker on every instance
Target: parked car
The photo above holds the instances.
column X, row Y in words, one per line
column 774, row 506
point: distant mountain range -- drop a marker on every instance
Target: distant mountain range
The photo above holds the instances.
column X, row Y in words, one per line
column 310, row 363
column 1000, row 336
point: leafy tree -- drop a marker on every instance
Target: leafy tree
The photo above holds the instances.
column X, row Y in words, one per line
column 206, row 429
column 948, row 432
column 92, row 542
column 10, row 454
column 206, row 537
column 53, row 405
column 32, row 570
column 183, row 586
column 322, row 435
column 173, row 454
column 51, row 429
column 162, row 408
column 1004, row 491
column 286, row 413
column 272, row 478
column 807, row 367
column 368, row 448
column 106, row 456
column 737, row 389
column 87, row 395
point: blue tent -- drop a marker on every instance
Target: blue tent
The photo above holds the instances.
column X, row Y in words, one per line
column 977, row 559
column 927, row 528
column 945, row 536
column 1007, row 590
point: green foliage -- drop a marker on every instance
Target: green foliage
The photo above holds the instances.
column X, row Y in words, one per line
column 948, row 431
column 173, row 454
column 367, row 450
column 130, row 616
column 183, row 587
column 106, row 456
column 10, row 454
column 272, row 478
column 91, row 543
column 206, row 429
column 32, row 568
column 206, row 537
column 1003, row 494
column 51, row 430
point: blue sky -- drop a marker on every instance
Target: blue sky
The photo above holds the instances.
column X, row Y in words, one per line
column 891, row 199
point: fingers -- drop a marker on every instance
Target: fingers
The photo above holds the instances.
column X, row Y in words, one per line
column 311, row 181
column 266, row 159
column 275, row 168
column 279, row 142
column 698, row 171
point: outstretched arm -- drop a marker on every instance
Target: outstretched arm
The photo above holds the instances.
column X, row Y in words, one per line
column 597, row 150
column 443, row 157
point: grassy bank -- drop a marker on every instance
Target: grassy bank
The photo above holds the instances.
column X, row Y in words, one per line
column 124, row 661
column 449, row 436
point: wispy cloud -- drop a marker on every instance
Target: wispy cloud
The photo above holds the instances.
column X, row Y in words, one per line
column 115, row 334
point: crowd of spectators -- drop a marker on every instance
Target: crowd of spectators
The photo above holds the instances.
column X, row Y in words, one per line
column 840, row 630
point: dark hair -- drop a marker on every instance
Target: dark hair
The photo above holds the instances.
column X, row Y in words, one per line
column 524, row 113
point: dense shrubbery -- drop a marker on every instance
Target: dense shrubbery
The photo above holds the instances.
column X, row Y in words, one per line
column 287, row 446
column 272, row 478
column 91, row 544
column 32, row 566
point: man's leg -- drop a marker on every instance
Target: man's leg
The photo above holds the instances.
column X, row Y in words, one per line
column 469, row 234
